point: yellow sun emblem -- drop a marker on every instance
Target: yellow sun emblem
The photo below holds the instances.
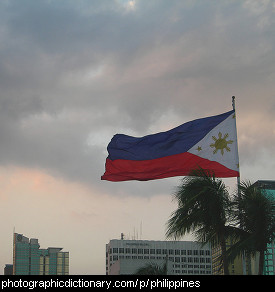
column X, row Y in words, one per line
column 221, row 143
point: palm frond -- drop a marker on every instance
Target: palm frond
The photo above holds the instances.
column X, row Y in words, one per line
column 152, row 269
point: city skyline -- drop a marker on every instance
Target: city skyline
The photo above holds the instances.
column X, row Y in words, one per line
column 75, row 73
column 30, row 259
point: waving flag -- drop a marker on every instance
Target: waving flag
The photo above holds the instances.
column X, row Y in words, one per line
column 209, row 143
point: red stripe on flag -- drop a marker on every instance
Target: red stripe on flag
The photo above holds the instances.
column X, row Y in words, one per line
column 174, row 165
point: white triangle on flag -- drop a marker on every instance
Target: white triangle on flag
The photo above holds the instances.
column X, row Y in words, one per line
column 220, row 144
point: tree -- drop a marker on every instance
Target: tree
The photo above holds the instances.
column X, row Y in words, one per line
column 152, row 269
column 203, row 208
column 255, row 216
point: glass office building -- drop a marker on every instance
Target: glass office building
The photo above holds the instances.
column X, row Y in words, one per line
column 268, row 187
column 29, row 259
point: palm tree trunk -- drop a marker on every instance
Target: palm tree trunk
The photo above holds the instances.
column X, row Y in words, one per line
column 261, row 262
column 224, row 256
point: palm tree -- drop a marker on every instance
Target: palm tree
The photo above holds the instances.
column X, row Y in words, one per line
column 152, row 269
column 204, row 209
column 255, row 215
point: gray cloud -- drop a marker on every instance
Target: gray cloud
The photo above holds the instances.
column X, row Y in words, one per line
column 72, row 74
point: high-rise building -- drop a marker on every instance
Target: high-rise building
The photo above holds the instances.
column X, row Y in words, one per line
column 240, row 265
column 29, row 259
column 182, row 257
column 268, row 188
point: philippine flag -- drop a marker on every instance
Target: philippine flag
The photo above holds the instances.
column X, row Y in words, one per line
column 209, row 143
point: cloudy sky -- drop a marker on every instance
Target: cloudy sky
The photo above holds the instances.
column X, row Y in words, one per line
column 74, row 73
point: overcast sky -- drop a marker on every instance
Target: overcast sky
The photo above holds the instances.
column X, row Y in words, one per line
column 74, row 73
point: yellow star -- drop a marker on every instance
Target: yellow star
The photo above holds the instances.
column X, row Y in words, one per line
column 199, row 148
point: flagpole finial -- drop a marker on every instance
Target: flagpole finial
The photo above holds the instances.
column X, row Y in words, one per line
column 233, row 102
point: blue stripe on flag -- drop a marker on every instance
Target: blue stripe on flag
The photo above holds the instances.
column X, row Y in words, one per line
column 174, row 141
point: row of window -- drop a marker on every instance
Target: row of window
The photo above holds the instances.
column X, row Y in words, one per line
column 192, row 269
column 159, row 251
column 173, row 259
column 177, row 266
column 194, row 272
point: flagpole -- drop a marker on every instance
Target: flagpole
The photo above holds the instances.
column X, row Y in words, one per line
column 238, row 183
column 238, row 177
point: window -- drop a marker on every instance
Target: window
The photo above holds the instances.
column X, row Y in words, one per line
column 146, row 251
column 140, row 251
column 115, row 250
column 183, row 252
column 177, row 252
column 189, row 252
column 171, row 251
column 177, row 259
column 158, row 251
column 121, row 250
column 152, row 251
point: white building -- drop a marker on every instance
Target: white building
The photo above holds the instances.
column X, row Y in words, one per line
column 183, row 257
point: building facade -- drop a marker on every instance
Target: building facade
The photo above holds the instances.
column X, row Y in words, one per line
column 29, row 259
column 239, row 266
column 268, row 188
column 8, row 270
column 182, row 257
